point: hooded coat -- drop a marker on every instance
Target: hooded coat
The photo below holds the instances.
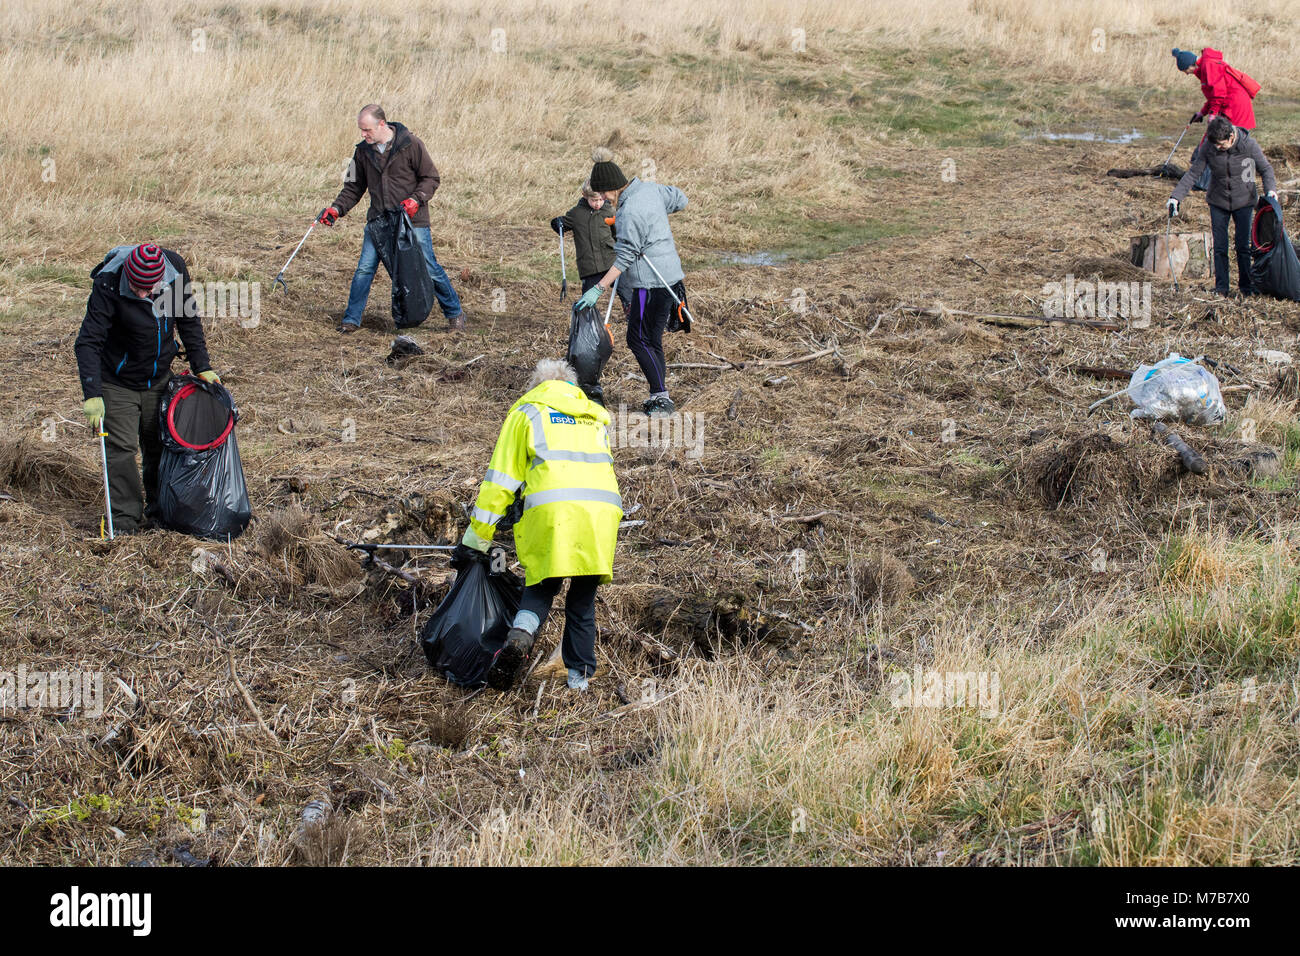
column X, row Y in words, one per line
column 129, row 341
column 1224, row 93
column 593, row 236
column 554, row 449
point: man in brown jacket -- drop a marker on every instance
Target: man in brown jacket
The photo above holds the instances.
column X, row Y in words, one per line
column 392, row 164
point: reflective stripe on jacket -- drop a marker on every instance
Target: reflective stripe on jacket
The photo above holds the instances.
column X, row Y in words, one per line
column 554, row 447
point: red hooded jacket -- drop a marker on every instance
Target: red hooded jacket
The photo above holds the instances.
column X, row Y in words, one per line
column 1224, row 93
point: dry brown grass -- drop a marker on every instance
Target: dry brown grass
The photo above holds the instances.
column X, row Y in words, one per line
column 956, row 510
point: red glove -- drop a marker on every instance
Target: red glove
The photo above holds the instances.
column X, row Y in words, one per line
column 411, row 207
column 329, row 216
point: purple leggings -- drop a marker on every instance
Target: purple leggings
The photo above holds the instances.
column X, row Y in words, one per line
column 647, row 317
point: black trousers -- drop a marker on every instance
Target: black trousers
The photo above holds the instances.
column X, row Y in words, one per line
column 131, row 420
column 647, row 317
column 1241, row 220
column 579, row 646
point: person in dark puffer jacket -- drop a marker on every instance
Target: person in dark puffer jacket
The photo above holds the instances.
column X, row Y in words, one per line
column 1235, row 161
column 140, row 300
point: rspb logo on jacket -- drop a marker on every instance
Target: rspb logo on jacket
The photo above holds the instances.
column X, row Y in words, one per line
column 559, row 418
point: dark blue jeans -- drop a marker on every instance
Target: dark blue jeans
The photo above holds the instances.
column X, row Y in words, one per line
column 448, row 301
column 1241, row 219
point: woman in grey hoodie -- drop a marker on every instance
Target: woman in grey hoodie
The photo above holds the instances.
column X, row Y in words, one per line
column 642, row 238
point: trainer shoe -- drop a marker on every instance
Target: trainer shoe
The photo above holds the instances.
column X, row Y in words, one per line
column 577, row 680
column 659, row 406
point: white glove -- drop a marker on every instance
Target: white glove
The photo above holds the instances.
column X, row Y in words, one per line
column 1272, row 194
column 1172, row 206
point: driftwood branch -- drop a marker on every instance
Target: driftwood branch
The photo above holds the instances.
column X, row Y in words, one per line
column 1100, row 371
column 765, row 363
column 773, row 363
column 1015, row 320
column 1165, row 171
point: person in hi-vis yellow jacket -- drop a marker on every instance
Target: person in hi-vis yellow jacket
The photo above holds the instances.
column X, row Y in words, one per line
column 554, row 451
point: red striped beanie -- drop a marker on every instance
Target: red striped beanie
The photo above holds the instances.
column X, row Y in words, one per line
column 145, row 267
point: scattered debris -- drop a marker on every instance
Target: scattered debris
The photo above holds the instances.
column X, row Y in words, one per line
column 403, row 347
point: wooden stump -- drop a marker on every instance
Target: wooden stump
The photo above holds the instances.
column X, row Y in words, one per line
column 1192, row 253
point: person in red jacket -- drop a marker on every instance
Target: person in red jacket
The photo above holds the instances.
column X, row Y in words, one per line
column 1226, row 93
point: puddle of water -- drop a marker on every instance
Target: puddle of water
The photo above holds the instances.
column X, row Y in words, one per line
column 1092, row 136
column 761, row 258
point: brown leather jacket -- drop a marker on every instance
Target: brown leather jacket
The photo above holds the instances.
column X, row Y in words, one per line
column 404, row 170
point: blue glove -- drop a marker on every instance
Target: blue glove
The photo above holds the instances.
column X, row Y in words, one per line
column 591, row 297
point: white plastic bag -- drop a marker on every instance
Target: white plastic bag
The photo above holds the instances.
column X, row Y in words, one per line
column 1177, row 388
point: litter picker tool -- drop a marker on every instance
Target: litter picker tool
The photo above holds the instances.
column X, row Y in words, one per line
column 564, row 275
column 279, row 278
column 108, row 498
column 1169, row 250
column 609, row 307
column 680, row 304
column 1177, row 144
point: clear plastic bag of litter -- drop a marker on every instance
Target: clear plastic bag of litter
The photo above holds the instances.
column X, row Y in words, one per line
column 1178, row 389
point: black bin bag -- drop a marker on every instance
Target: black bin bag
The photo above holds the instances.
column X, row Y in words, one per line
column 402, row 255
column 590, row 346
column 201, row 488
column 1274, row 269
column 462, row 637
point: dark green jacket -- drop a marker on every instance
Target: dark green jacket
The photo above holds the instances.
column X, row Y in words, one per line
column 593, row 238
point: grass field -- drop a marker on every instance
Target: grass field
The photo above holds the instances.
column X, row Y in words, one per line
column 928, row 500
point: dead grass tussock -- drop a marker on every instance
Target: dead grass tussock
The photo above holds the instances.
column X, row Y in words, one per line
column 1198, row 561
column 290, row 537
column 43, row 470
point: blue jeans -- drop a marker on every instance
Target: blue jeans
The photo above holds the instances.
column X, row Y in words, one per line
column 1241, row 220
column 448, row 301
